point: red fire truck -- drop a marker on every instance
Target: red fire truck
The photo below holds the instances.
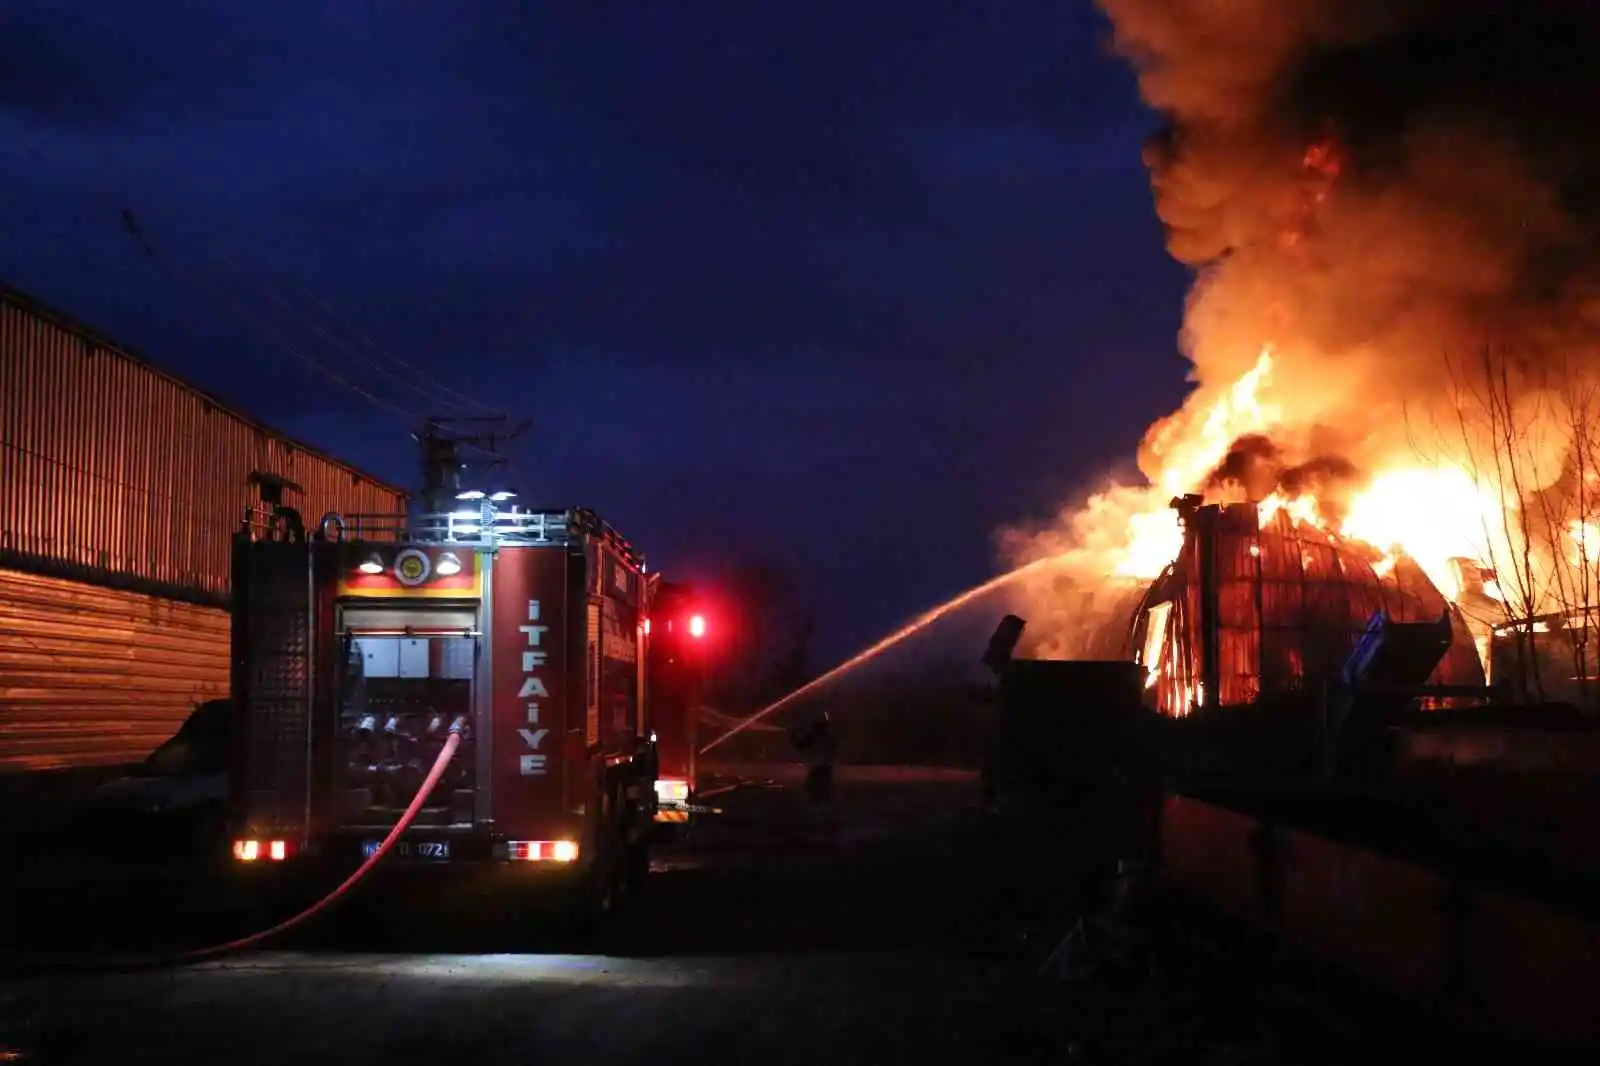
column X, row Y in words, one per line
column 361, row 645
column 676, row 678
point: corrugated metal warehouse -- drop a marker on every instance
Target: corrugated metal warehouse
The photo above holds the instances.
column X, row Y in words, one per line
column 1291, row 601
column 119, row 489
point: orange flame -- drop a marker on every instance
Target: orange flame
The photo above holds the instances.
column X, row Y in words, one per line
column 1453, row 522
column 1434, row 514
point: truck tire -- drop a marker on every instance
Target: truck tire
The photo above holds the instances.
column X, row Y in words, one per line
column 597, row 896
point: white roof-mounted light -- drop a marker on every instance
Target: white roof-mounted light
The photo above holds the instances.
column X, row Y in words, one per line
column 463, row 524
column 471, row 494
column 502, row 496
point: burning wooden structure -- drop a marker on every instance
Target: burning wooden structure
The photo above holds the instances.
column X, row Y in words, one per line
column 1254, row 612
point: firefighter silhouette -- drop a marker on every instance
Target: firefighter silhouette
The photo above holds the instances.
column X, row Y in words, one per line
column 818, row 745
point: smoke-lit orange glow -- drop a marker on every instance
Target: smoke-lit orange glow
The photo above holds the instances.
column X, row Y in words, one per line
column 1585, row 538
column 1392, row 325
column 1434, row 514
column 1187, row 450
column 1453, row 517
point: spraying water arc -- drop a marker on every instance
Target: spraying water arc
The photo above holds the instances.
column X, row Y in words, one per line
column 911, row 628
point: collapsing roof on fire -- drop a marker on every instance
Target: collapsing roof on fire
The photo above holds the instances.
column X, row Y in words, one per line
column 1392, row 208
column 1290, row 602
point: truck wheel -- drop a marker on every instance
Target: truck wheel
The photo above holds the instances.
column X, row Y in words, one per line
column 596, row 898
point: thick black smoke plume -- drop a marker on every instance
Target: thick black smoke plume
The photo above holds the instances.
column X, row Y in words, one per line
column 1398, row 202
column 1371, row 185
column 1255, row 468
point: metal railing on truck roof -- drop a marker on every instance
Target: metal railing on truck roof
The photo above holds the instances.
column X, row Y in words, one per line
column 487, row 527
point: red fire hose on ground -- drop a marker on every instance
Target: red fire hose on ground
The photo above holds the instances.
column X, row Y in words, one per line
column 257, row 939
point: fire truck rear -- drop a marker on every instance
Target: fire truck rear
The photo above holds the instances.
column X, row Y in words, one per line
column 362, row 645
column 676, row 671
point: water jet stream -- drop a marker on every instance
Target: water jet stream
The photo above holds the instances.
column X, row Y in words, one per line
column 911, row 628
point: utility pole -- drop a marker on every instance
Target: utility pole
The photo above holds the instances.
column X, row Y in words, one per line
column 451, row 445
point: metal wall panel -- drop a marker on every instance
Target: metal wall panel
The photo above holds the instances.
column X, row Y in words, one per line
column 93, row 676
column 112, row 470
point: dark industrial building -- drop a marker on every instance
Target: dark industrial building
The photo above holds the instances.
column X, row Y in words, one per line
column 119, row 489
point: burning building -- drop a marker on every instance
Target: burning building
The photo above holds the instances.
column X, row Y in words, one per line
column 1390, row 208
column 1260, row 608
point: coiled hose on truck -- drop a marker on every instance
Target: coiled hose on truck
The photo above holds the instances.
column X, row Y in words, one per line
column 254, row 940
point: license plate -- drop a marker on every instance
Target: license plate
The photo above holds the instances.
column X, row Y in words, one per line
column 436, row 850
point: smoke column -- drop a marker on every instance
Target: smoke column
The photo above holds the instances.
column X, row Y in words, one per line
column 1462, row 210
column 1382, row 191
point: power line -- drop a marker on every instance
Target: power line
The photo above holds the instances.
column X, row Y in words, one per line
column 463, row 400
column 289, row 314
column 144, row 490
column 131, row 224
column 406, row 380
column 180, row 501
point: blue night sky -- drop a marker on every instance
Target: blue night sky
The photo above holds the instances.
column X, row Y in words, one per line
column 845, row 286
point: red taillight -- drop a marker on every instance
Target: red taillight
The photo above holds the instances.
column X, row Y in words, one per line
column 697, row 626
column 251, row 850
column 542, row 850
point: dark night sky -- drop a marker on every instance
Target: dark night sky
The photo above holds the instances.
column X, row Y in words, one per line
column 844, row 285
